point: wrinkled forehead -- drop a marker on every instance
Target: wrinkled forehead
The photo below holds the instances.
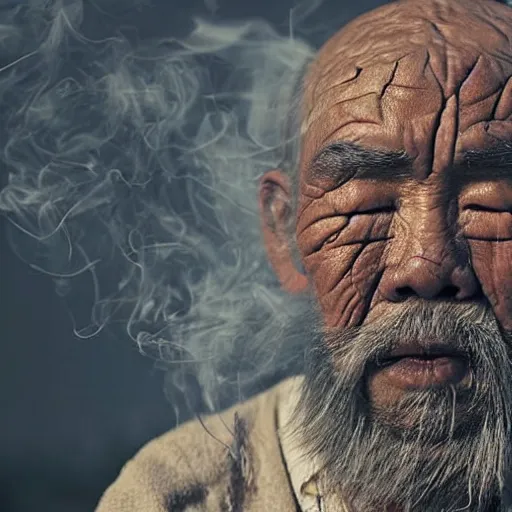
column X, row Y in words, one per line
column 410, row 73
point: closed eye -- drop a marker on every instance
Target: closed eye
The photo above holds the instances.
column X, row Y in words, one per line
column 374, row 211
column 480, row 208
column 487, row 223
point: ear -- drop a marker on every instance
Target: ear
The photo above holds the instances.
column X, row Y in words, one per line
column 275, row 213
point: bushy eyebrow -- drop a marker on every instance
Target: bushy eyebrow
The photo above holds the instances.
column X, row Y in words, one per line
column 493, row 163
column 341, row 161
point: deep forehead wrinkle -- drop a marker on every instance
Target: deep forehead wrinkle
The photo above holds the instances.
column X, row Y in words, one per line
column 446, row 29
column 431, row 77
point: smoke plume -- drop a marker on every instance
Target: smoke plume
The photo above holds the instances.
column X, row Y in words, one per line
column 133, row 166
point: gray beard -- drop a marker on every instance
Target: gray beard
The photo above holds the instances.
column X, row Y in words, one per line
column 455, row 454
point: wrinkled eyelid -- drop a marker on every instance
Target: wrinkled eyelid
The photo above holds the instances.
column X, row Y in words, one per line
column 380, row 209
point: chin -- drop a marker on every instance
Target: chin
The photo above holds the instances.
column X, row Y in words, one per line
column 446, row 408
column 430, row 416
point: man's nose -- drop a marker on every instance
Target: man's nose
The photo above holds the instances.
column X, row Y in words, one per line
column 432, row 276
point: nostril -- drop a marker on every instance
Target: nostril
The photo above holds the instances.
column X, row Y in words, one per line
column 448, row 292
column 405, row 292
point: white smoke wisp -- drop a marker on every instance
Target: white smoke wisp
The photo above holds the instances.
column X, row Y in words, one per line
column 139, row 165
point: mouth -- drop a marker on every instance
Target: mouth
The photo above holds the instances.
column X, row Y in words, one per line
column 416, row 367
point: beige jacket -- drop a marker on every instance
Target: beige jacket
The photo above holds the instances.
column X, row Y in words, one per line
column 240, row 460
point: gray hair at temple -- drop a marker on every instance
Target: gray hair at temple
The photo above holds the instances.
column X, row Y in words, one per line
column 132, row 181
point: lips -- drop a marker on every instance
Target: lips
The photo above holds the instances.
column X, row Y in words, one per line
column 418, row 367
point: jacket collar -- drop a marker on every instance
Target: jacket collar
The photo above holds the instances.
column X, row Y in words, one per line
column 304, row 471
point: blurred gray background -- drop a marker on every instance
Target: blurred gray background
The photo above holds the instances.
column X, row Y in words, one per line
column 73, row 411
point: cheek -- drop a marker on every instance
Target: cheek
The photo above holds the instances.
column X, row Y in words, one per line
column 492, row 262
column 344, row 280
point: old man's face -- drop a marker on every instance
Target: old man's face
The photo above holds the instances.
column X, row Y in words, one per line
column 406, row 181
column 404, row 229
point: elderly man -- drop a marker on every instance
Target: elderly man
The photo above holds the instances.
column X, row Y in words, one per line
column 398, row 215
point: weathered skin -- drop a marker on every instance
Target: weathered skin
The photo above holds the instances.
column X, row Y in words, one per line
column 432, row 79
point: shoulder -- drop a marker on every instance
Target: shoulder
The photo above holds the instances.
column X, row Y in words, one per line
column 205, row 465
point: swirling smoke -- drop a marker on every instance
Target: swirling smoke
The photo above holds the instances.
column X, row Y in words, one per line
column 136, row 165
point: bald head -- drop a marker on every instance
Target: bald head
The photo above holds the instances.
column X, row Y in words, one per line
column 412, row 72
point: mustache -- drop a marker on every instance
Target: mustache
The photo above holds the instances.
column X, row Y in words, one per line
column 409, row 327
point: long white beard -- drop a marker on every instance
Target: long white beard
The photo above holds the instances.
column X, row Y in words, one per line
column 457, row 453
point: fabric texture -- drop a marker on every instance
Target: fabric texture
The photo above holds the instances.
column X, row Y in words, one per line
column 228, row 462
